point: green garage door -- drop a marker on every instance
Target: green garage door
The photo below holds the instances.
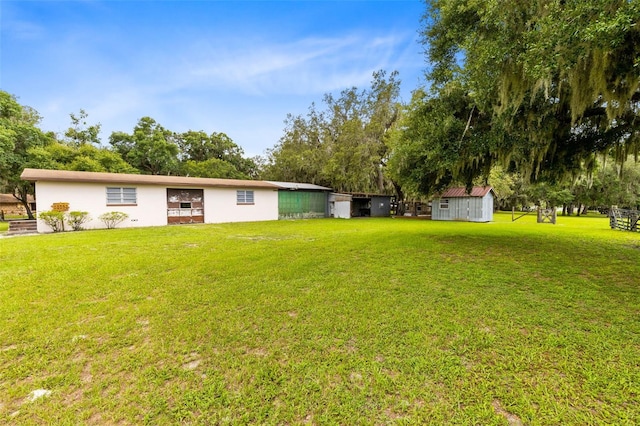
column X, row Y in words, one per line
column 301, row 205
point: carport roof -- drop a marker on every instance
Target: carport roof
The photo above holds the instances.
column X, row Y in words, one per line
column 36, row 175
column 298, row 186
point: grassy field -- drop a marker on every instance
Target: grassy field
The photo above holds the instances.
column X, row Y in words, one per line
column 376, row 321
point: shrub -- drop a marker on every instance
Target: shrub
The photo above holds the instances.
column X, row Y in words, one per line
column 112, row 219
column 76, row 219
column 54, row 219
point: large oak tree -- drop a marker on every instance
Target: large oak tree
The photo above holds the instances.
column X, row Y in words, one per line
column 557, row 80
column 345, row 145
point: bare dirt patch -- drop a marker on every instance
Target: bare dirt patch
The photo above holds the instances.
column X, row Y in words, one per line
column 193, row 363
column 512, row 419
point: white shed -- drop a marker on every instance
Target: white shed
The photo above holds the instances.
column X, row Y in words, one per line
column 458, row 204
column 340, row 205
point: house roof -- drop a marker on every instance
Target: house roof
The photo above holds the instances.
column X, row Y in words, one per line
column 294, row 186
column 461, row 192
column 10, row 199
column 35, row 175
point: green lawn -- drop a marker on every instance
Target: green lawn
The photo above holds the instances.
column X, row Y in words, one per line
column 374, row 321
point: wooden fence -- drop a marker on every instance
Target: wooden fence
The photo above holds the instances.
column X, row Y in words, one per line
column 626, row 220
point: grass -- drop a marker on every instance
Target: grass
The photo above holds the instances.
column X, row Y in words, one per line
column 376, row 321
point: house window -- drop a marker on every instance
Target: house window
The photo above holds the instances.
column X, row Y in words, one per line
column 444, row 203
column 121, row 196
column 244, row 197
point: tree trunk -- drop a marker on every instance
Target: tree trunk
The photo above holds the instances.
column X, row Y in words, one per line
column 22, row 196
column 380, row 180
column 399, row 199
column 28, row 210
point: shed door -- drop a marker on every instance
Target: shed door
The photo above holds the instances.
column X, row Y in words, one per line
column 185, row 206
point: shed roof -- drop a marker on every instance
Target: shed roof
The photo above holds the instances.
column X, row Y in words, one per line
column 294, row 186
column 35, row 175
column 461, row 192
column 10, row 199
column 367, row 195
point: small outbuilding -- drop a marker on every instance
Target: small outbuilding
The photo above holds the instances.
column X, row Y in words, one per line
column 371, row 205
column 458, row 204
column 340, row 205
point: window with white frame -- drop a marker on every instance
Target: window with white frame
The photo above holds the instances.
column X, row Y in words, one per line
column 121, row 195
column 444, row 203
column 244, row 197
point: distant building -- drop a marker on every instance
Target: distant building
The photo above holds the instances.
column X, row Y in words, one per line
column 10, row 206
column 457, row 204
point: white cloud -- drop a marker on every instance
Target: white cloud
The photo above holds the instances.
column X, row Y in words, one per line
column 308, row 66
column 22, row 30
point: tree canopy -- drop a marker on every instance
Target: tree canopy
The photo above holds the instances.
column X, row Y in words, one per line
column 152, row 149
column 18, row 134
column 345, row 145
column 214, row 155
column 546, row 86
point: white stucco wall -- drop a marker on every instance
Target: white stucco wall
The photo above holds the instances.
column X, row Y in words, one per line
column 220, row 206
column 151, row 209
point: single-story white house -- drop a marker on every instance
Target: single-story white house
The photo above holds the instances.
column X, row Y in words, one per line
column 151, row 200
column 458, row 204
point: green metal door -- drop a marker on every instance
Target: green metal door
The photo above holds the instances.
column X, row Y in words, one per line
column 301, row 204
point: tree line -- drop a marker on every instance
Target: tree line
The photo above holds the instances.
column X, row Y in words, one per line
column 539, row 99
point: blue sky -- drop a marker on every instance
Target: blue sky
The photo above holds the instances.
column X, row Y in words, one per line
column 237, row 67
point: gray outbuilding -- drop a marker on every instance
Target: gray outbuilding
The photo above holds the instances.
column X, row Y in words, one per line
column 371, row 205
column 458, row 204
